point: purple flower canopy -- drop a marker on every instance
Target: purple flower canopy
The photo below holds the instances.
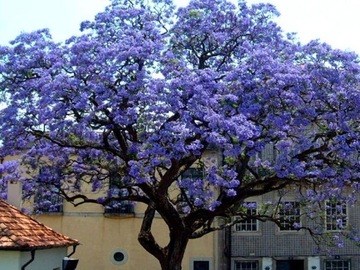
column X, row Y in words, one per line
column 148, row 89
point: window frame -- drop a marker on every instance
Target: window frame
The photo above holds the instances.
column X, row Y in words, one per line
column 119, row 262
column 332, row 220
column 257, row 264
column 49, row 193
column 248, row 222
column 348, row 267
column 193, row 173
column 118, row 207
column 54, row 199
column 285, row 226
column 201, row 259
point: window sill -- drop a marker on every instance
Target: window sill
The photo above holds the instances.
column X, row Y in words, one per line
column 278, row 232
column 247, row 233
column 119, row 215
column 50, row 214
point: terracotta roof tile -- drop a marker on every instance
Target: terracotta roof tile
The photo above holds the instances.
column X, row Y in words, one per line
column 21, row 232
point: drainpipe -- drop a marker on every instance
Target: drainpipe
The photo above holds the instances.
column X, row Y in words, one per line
column 227, row 248
column 74, row 249
column 230, row 247
column 30, row 261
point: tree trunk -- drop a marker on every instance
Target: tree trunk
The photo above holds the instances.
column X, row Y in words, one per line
column 171, row 256
column 174, row 252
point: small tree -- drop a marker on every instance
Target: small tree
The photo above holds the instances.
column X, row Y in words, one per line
column 147, row 89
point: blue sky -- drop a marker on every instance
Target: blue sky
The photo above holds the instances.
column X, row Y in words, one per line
column 333, row 21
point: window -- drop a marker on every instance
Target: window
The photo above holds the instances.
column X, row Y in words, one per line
column 193, row 173
column 119, row 257
column 246, row 265
column 116, row 191
column 47, row 198
column 267, row 155
column 191, row 189
column 290, row 264
column 289, row 216
column 248, row 224
column 48, row 201
column 201, row 264
column 336, row 215
column 337, row 265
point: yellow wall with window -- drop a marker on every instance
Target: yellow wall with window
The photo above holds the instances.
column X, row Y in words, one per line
column 101, row 237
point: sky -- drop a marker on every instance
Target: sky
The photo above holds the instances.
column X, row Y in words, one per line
column 332, row 21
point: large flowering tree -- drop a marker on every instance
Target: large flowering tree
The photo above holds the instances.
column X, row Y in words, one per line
column 147, row 89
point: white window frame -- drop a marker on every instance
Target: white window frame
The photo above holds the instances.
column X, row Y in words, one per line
column 336, row 267
column 331, row 221
column 257, row 266
column 249, row 222
column 286, row 228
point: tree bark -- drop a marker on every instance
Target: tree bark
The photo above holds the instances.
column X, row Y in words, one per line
column 174, row 252
column 171, row 256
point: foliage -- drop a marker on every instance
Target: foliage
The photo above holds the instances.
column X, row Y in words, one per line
column 147, row 89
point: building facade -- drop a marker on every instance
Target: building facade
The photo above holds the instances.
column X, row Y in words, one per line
column 108, row 235
column 109, row 239
column 255, row 245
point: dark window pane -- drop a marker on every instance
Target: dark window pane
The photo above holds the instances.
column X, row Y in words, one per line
column 201, row 265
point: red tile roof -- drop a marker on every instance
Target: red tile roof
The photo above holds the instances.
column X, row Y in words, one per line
column 21, row 232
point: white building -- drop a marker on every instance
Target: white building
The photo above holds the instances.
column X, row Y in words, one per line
column 27, row 244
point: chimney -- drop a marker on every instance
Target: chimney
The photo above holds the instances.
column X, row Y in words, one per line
column 14, row 195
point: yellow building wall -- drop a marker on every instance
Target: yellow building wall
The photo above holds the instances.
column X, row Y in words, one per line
column 100, row 236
